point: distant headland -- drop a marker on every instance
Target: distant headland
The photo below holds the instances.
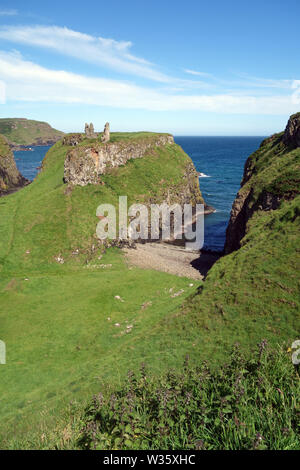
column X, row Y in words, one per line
column 22, row 133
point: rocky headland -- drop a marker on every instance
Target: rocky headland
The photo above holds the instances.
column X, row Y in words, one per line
column 88, row 160
column 22, row 133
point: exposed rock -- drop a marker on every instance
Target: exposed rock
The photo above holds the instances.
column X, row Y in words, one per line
column 242, row 211
column 10, row 178
column 106, row 134
column 85, row 165
column 291, row 135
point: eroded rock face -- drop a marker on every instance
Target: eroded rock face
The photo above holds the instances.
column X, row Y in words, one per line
column 10, row 178
column 242, row 210
column 85, row 165
column 291, row 135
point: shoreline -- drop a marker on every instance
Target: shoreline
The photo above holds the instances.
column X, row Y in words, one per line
column 29, row 148
column 172, row 259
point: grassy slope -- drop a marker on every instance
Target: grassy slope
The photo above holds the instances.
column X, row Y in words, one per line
column 61, row 345
column 27, row 132
column 255, row 291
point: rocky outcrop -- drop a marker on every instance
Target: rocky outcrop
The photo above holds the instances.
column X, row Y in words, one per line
column 10, row 178
column 256, row 193
column 85, row 164
column 291, row 136
column 242, row 211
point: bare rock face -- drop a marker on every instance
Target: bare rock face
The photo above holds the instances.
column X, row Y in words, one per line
column 291, row 135
column 84, row 165
column 10, row 178
column 106, row 134
column 242, row 211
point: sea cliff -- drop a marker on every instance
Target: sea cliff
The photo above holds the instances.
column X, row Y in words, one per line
column 271, row 175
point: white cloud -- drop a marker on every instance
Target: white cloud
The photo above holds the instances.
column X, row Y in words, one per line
column 8, row 12
column 116, row 55
column 29, row 82
column 97, row 50
column 200, row 74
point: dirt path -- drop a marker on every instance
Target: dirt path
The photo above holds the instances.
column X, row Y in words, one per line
column 171, row 259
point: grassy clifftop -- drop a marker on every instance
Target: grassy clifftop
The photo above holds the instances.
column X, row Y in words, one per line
column 21, row 131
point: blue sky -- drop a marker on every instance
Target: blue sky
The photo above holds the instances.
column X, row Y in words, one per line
column 189, row 68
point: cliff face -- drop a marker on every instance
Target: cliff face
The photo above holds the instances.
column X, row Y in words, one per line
column 85, row 164
column 271, row 175
column 10, row 178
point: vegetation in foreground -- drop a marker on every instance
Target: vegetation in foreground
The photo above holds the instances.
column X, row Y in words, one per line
column 245, row 404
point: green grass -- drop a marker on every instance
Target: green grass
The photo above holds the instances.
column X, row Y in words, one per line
column 27, row 132
column 61, row 347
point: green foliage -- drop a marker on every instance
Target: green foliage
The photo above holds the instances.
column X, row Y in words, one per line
column 246, row 404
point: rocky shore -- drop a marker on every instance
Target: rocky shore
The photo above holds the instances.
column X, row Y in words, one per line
column 171, row 259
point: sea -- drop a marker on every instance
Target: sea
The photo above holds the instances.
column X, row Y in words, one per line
column 219, row 161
